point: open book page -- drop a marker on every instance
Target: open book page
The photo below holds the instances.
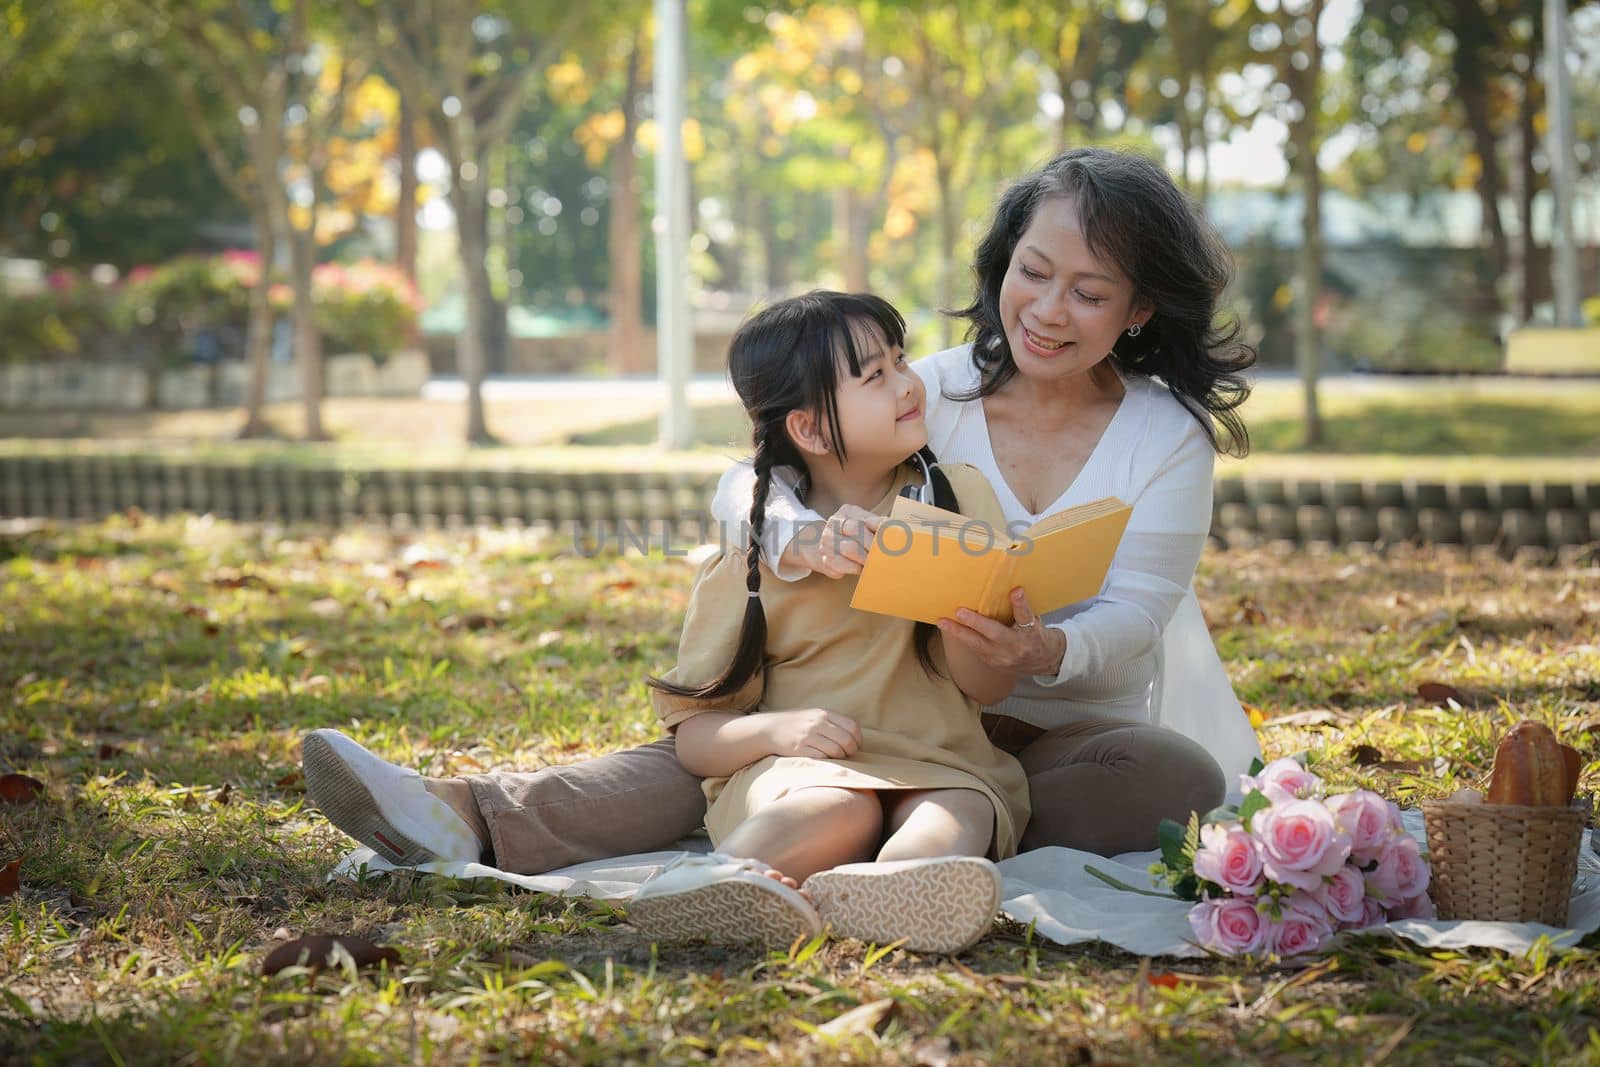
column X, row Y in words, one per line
column 1066, row 564
column 927, row 562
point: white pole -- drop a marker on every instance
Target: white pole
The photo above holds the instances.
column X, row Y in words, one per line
column 671, row 226
column 1558, row 90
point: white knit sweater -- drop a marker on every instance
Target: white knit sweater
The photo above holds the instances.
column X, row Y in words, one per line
column 1155, row 456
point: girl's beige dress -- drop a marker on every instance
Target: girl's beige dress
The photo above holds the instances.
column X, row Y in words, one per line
column 918, row 731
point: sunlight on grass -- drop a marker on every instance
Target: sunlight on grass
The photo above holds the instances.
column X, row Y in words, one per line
column 158, row 675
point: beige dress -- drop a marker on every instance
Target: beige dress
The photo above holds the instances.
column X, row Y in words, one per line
column 918, row 731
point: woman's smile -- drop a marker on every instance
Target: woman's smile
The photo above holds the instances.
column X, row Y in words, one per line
column 1043, row 345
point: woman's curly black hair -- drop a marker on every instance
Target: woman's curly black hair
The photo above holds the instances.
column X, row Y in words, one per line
column 1135, row 217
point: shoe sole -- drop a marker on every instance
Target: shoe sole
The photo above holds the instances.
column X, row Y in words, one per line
column 724, row 912
column 937, row 908
column 350, row 805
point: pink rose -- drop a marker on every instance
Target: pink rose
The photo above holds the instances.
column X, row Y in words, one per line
column 1300, row 843
column 1228, row 856
column 1401, row 871
column 1417, row 907
column 1231, row 926
column 1371, row 915
column 1282, row 780
column 1304, row 927
column 1364, row 815
column 1343, row 895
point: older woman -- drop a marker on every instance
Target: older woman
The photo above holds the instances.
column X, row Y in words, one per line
column 1095, row 368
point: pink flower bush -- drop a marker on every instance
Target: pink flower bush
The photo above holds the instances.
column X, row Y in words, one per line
column 1292, row 866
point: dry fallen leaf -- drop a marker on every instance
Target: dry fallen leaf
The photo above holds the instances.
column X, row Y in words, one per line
column 862, row 1019
column 938, row 1051
column 317, row 951
column 326, row 608
column 1441, row 693
column 1365, row 755
column 11, row 877
column 20, row 789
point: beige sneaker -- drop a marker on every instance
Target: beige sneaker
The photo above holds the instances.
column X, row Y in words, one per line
column 723, row 900
column 943, row 904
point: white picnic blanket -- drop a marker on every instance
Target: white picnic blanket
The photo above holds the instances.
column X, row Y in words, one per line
column 1049, row 888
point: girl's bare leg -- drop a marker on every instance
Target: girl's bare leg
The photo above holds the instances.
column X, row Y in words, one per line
column 810, row 830
column 936, row 822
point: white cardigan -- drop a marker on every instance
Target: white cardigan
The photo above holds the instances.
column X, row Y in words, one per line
column 1138, row 650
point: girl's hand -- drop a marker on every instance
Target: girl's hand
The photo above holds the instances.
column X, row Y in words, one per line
column 1026, row 647
column 814, row 732
column 836, row 548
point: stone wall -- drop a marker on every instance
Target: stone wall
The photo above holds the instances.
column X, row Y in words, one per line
column 1509, row 516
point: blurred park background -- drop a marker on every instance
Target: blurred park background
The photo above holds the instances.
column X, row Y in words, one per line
column 420, row 223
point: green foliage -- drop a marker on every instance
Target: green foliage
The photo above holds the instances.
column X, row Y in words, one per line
column 65, row 321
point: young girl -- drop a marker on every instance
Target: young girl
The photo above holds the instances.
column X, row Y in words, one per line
column 827, row 737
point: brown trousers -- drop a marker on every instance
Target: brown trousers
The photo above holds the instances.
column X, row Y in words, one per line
column 1102, row 786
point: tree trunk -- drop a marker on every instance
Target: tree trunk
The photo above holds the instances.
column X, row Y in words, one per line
column 629, row 353
column 258, row 330
column 1526, row 180
column 307, row 343
column 947, row 252
column 1308, row 261
column 471, row 206
column 1474, row 39
column 405, row 210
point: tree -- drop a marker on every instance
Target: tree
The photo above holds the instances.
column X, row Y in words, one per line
column 469, row 66
column 98, row 161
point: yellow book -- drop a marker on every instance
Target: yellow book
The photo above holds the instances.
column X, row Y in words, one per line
column 927, row 562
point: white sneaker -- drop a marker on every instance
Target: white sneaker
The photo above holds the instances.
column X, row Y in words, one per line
column 721, row 899
column 943, row 904
column 384, row 806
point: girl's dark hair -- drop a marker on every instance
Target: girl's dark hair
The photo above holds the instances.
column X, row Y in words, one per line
column 1135, row 217
column 786, row 358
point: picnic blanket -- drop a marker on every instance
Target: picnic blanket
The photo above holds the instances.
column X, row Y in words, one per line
column 1050, row 889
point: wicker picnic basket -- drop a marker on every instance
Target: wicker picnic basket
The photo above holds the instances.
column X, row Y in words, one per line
column 1503, row 862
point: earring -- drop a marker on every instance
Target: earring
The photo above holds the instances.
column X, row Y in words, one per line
column 1133, row 331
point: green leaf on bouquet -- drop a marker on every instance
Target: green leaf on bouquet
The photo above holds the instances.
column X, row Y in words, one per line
column 1252, row 804
column 1256, row 767
column 1219, row 814
column 1171, row 836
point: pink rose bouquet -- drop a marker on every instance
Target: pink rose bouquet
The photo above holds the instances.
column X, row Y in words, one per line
column 1291, row 867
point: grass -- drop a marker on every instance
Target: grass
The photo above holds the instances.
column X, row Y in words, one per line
column 157, row 676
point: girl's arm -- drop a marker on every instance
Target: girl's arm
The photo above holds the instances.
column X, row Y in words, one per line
column 978, row 679
column 714, row 744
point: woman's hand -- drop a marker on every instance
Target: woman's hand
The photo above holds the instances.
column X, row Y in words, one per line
column 814, row 732
column 838, row 546
column 1027, row 647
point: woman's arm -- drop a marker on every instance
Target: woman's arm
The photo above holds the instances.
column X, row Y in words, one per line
column 714, row 744
column 1149, row 576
